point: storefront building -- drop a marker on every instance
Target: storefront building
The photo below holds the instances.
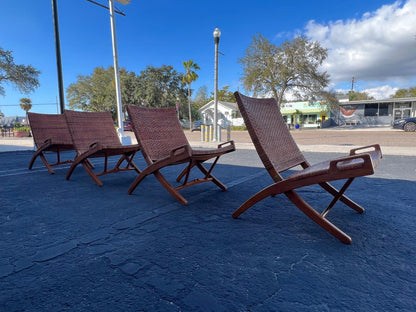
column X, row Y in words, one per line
column 308, row 114
column 305, row 114
column 374, row 112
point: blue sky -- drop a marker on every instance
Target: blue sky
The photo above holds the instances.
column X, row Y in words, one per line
column 372, row 40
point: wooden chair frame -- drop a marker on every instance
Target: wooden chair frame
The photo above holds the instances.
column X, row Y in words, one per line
column 279, row 152
column 50, row 134
column 94, row 136
column 151, row 127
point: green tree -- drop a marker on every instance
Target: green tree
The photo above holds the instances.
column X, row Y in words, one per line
column 159, row 87
column 188, row 78
column 26, row 105
column 201, row 98
column 330, row 98
column 359, row 96
column 294, row 66
column 403, row 93
column 24, row 78
column 224, row 95
column 96, row 92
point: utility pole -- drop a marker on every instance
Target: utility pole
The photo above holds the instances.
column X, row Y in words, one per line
column 352, row 83
column 58, row 56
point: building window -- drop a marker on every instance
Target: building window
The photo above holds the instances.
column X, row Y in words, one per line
column 383, row 109
column 403, row 105
column 378, row 109
column 370, row 110
column 309, row 119
column 235, row 114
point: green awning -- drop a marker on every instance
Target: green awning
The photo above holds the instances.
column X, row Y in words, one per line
column 316, row 110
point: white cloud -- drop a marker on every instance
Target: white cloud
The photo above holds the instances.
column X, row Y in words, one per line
column 378, row 47
column 382, row 92
column 379, row 93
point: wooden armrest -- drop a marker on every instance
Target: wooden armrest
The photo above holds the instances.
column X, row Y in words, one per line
column 358, row 161
column 374, row 147
column 226, row 143
column 45, row 144
column 171, row 159
column 93, row 148
column 185, row 149
column 94, row 145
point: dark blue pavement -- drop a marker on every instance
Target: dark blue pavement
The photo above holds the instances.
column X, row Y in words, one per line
column 73, row 246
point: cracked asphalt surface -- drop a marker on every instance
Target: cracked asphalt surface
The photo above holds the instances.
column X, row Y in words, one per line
column 73, row 246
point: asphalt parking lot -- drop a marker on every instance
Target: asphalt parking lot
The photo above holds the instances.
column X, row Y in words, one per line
column 73, row 246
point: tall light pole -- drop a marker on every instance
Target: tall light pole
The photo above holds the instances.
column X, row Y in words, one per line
column 217, row 34
column 124, row 140
column 58, row 56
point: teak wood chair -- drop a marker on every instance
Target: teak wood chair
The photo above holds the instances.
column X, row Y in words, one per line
column 93, row 135
column 50, row 134
column 279, row 152
column 163, row 143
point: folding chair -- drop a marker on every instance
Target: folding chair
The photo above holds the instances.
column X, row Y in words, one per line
column 163, row 143
column 50, row 134
column 279, row 152
column 94, row 135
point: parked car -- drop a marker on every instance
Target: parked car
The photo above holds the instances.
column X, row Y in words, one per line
column 197, row 125
column 184, row 123
column 407, row 124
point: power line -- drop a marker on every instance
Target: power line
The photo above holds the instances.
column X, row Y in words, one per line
column 106, row 7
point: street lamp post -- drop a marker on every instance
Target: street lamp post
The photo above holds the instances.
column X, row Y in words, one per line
column 177, row 105
column 124, row 140
column 217, row 34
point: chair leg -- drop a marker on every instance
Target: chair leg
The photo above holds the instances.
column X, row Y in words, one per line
column 136, row 182
column 301, row 204
column 337, row 197
column 131, row 164
column 120, row 161
column 161, row 180
column 187, row 169
column 208, row 174
column 32, row 160
column 39, row 153
column 268, row 191
column 344, row 199
column 46, row 163
column 170, row 188
column 315, row 216
column 87, row 166
column 72, row 168
column 90, row 163
column 91, row 173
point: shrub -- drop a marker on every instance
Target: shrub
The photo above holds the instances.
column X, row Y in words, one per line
column 22, row 128
column 238, row 128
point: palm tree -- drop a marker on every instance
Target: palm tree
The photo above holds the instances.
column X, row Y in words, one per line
column 26, row 105
column 188, row 78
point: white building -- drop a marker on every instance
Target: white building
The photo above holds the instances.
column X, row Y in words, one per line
column 228, row 114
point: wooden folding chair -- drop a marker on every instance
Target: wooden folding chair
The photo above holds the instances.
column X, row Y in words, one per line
column 94, row 135
column 163, row 143
column 279, row 152
column 50, row 134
